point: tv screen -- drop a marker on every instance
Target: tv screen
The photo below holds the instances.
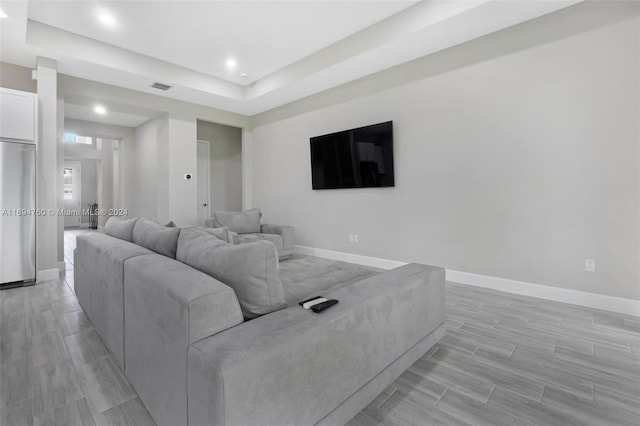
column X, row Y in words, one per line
column 356, row 158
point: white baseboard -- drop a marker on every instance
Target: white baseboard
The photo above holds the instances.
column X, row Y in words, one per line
column 62, row 266
column 375, row 262
column 47, row 274
column 556, row 294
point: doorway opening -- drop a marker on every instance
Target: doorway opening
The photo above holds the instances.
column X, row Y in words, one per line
column 72, row 197
column 219, row 172
column 91, row 176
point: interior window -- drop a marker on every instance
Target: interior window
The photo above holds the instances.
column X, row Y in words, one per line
column 68, row 183
column 71, row 138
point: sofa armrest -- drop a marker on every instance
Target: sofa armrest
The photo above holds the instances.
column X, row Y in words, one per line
column 286, row 232
column 99, row 285
column 169, row 305
column 294, row 366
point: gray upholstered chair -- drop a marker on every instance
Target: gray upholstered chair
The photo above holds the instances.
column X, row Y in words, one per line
column 247, row 226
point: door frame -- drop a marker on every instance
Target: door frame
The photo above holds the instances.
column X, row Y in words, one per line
column 79, row 179
column 208, row 181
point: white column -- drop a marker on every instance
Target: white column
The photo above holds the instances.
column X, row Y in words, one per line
column 60, row 179
column 47, row 171
column 247, row 176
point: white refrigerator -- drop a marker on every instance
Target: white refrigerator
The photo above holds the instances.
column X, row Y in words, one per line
column 17, row 213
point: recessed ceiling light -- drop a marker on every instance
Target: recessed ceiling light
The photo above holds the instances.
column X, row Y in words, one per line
column 244, row 75
column 100, row 110
column 107, row 18
column 231, row 63
column 2, row 14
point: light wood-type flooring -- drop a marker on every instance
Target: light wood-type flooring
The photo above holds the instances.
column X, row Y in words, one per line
column 505, row 360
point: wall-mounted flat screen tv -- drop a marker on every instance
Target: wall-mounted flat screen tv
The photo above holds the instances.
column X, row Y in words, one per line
column 356, row 158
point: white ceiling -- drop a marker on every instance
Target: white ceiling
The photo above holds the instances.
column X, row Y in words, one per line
column 117, row 118
column 289, row 49
column 262, row 36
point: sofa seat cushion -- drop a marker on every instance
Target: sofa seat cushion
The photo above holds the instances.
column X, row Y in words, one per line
column 274, row 238
column 158, row 238
column 294, row 367
column 250, row 269
column 304, row 277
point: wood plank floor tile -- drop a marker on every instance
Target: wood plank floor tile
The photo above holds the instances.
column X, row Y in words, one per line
column 17, row 414
column 75, row 413
column 38, row 304
column 473, row 412
column 65, row 305
column 14, row 381
column 453, row 378
column 622, row 365
column 527, row 364
column 626, row 401
column 474, row 342
column 41, row 323
column 48, row 347
column 104, row 384
column 520, row 384
column 586, row 411
column 419, row 386
column 130, row 413
column 54, row 384
column 14, row 346
column 530, row 410
column 74, row 322
column 85, row 347
column 12, row 322
column 403, row 409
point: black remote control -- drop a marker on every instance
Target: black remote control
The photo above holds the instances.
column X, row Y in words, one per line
column 324, row 305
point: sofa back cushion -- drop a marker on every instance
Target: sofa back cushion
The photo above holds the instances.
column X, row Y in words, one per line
column 222, row 233
column 119, row 228
column 246, row 222
column 156, row 237
column 251, row 270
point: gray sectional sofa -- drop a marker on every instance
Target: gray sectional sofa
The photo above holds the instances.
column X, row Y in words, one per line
column 246, row 228
column 208, row 334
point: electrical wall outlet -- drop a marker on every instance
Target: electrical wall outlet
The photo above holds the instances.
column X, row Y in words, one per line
column 350, row 238
column 590, row 265
column 355, row 238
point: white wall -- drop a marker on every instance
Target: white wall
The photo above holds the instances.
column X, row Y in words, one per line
column 516, row 156
column 183, row 194
column 144, row 180
column 165, row 152
column 226, row 164
column 17, row 77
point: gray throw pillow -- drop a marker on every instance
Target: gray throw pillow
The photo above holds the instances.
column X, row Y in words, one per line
column 251, row 269
column 119, row 228
column 156, row 237
column 246, row 222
